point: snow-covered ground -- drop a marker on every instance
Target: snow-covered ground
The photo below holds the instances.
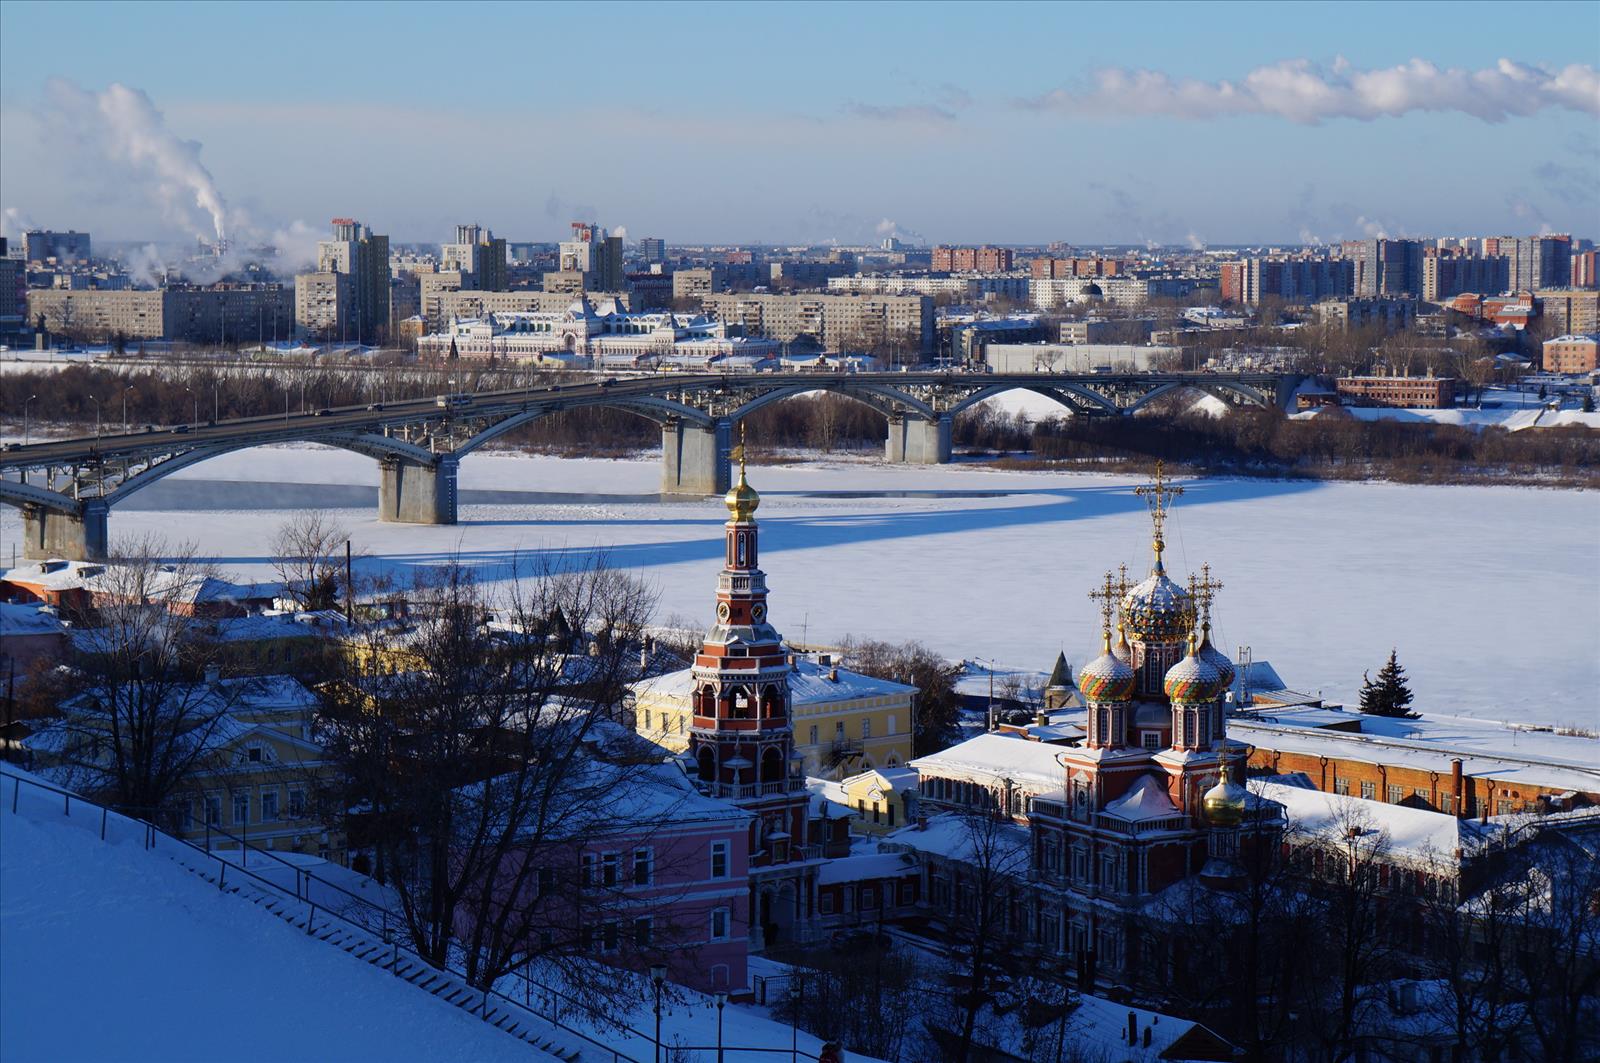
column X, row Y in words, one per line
column 1490, row 594
column 111, row 952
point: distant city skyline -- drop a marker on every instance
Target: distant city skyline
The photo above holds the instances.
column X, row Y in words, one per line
column 802, row 124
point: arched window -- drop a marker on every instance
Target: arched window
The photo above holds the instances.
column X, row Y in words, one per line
column 707, row 764
column 771, row 766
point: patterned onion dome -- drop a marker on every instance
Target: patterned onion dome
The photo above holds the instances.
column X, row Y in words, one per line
column 1107, row 678
column 1219, row 661
column 1193, row 680
column 1224, row 803
column 1158, row 610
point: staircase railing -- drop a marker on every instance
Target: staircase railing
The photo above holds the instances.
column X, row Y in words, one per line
column 390, row 929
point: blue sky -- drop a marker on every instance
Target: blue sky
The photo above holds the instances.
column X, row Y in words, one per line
column 814, row 122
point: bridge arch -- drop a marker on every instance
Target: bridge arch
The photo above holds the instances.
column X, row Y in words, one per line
column 1224, row 390
column 889, row 401
column 1079, row 401
column 661, row 411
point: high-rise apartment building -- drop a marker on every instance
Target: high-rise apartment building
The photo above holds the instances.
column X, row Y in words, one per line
column 478, row 253
column 1583, row 269
column 324, row 304
column 653, row 249
column 1293, row 280
column 1540, row 262
column 1570, row 310
column 1384, row 266
column 1446, row 275
column 43, row 245
column 363, row 256
column 594, row 255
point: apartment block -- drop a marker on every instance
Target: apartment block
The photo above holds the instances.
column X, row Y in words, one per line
column 1572, row 354
column 972, row 259
column 1445, row 276
column 1391, row 314
column 1572, row 310
column 1418, row 393
column 840, row 322
column 218, row 314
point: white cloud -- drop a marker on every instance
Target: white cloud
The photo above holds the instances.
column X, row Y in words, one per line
column 1308, row 93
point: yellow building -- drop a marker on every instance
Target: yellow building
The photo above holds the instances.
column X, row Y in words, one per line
column 844, row 722
column 880, row 798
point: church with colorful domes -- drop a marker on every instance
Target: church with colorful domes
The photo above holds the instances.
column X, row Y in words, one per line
column 1146, row 802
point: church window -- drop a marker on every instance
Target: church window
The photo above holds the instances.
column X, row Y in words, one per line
column 719, row 924
column 1150, row 739
column 719, row 859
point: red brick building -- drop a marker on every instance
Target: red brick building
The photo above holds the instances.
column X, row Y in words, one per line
column 1572, row 354
column 971, row 259
column 1417, row 393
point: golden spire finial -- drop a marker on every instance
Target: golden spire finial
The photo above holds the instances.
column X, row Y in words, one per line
column 1107, row 594
column 741, row 499
column 1159, row 495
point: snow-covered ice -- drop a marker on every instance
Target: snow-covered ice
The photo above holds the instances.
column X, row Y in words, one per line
column 1490, row 594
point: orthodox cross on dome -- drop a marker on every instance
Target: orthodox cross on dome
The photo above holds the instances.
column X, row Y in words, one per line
column 1203, row 591
column 1158, row 495
column 1108, row 594
column 738, row 451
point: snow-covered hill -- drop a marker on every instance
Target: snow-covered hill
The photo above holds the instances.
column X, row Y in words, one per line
column 112, row 953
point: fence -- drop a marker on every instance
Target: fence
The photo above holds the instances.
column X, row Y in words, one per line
column 333, row 903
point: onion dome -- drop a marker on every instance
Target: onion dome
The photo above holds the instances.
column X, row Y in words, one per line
column 1193, row 680
column 1224, row 803
column 1217, row 658
column 1158, row 610
column 742, row 499
column 1107, row 678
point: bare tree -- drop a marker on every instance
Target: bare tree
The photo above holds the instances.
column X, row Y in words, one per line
column 499, row 798
column 142, row 708
column 1558, row 953
column 993, row 862
column 306, row 551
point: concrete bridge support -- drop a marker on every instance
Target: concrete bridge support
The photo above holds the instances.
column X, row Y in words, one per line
column 80, row 536
column 414, row 492
column 695, row 460
column 917, row 442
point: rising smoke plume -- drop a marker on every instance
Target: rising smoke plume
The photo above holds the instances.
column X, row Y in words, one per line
column 125, row 127
column 1308, row 93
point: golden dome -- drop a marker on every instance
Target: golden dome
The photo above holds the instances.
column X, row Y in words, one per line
column 1224, row 803
column 741, row 498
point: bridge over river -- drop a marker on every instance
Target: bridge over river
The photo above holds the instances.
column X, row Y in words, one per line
column 66, row 488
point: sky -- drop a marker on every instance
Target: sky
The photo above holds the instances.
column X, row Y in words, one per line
column 1125, row 123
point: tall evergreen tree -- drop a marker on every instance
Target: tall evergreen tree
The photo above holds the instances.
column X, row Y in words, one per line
column 1389, row 694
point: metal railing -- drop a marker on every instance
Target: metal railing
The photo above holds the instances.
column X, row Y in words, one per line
column 386, row 924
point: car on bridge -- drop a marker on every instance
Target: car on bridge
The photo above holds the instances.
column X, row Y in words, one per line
column 452, row 401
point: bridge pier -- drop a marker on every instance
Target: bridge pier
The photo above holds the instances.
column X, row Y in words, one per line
column 695, row 460
column 80, row 536
column 917, row 442
column 414, row 492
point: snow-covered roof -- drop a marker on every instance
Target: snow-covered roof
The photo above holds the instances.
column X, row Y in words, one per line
column 18, row 620
column 1432, row 743
column 1416, row 835
column 1146, row 799
column 989, row 758
column 866, row 867
column 951, row 836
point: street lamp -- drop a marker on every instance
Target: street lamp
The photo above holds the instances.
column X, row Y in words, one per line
column 722, row 1002
column 658, row 979
column 125, row 391
column 794, row 1019
column 990, row 663
column 96, row 415
column 25, row 402
column 196, row 398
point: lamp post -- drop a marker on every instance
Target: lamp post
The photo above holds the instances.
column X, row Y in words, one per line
column 216, row 399
column 125, row 391
column 190, row 392
column 990, row 663
column 658, row 978
column 722, row 1002
column 96, row 415
column 794, row 1020
column 25, row 402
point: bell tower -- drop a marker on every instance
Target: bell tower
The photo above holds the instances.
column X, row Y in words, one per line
column 741, row 735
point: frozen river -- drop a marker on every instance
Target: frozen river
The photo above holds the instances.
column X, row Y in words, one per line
column 1491, row 595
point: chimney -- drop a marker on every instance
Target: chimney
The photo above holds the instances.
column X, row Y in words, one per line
column 1133, row 1028
column 833, row 675
column 1455, row 787
column 1041, row 718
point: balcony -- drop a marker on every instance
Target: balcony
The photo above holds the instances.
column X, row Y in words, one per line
column 747, row 790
